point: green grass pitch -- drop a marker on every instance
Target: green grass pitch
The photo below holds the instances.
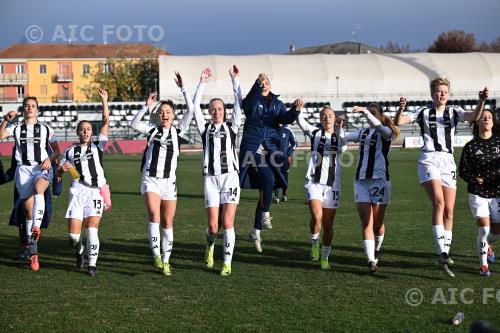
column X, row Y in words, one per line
column 280, row 290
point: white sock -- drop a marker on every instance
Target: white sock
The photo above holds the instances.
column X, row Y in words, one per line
column 154, row 238
column 33, row 245
column 210, row 238
column 229, row 239
column 325, row 251
column 315, row 239
column 369, row 246
column 76, row 242
column 264, row 215
column 448, row 235
column 38, row 209
column 482, row 244
column 92, row 245
column 167, row 242
column 378, row 242
column 492, row 237
column 256, row 232
column 438, row 230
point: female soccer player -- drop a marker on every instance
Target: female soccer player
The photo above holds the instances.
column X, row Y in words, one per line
column 480, row 168
column 220, row 165
column 436, row 166
column 323, row 178
column 85, row 202
column 34, row 162
column 372, row 186
column 259, row 146
column 158, row 185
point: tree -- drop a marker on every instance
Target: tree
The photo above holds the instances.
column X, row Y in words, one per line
column 393, row 47
column 454, row 41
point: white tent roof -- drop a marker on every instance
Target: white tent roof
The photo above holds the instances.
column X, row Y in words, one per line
column 338, row 78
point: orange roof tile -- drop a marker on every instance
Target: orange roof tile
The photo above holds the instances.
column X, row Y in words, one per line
column 69, row 51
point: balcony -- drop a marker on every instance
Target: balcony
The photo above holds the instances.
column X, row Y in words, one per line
column 63, row 98
column 13, row 79
column 68, row 77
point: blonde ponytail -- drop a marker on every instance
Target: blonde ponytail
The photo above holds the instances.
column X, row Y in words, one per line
column 386, row 121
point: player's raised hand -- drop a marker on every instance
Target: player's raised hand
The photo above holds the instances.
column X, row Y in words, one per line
column 151, row 98
column 10, row 115
column 103, row 93
column 483, row 95
column 358, row 109
column 298, row 104
column 206, row 75
column 234, row 71
column 402, row 103
column 178, row 80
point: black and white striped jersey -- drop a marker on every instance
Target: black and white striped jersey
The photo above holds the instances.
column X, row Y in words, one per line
column 219, row 140
column 88, row 161
column 162, row 149
column 325, row 165
column 438, row 128
column 374, row 144
column 31, row 141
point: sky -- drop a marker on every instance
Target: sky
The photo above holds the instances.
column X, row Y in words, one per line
column 200, row 27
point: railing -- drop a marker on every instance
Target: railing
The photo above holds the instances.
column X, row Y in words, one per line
column 13, row 79
column 63, row 98
column 64, row 77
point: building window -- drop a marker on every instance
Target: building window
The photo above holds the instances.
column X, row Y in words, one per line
column 43, row 90
column 86, row 69
column 107, row 68
column 2, row 69
column 43, row 69
column 20, row 92
column 19, row 69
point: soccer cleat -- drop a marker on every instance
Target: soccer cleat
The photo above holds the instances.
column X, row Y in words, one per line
column 372, row 267
column 484, row 271
column 209, row 257
column 92, row 271
column 276, row 200
column 444, row 258
column 158, row 263
column 284, row 198
column 226, row 270
column 444, row 267
column 377, row 255
column 79, row 260
column 35, row 233
column 491, row 255
column 324, row 264
column 166, row 269
column 266, row 223
column 24, row 253
column 257, row 241
column 315, row 252
column 34, row 264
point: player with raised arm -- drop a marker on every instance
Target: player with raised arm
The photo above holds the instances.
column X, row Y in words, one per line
column 220, row 164
column 436, row 166
column 86, row 202
column 372, row 185
column 159, row 165
column 322, row 184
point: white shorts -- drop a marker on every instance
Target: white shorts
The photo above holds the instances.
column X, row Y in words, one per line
column 485, row 207
column 164, row 187
column 374, row 191
column 437, row 165
column 84, row 201
column 25, row 178
column 222, row 189
column 329, row 196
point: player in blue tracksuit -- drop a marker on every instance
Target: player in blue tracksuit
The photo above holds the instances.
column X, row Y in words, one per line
column 288, row 144
column 260, row 157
